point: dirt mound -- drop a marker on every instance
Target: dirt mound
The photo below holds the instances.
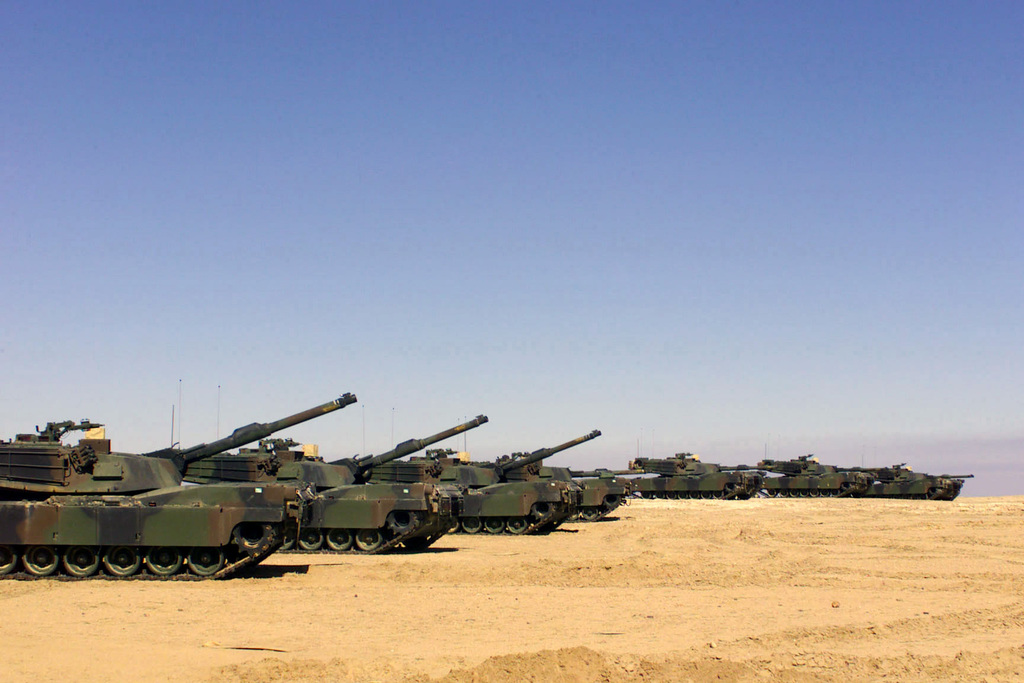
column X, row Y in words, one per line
column 584, row 665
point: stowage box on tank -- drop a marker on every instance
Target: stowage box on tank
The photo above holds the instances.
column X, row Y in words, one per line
column 78, row 508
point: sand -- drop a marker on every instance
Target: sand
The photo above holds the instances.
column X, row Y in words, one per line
column 759, row 590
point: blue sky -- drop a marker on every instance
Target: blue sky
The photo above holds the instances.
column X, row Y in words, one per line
column 711, row 227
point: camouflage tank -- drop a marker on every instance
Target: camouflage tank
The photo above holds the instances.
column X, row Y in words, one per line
column 900, row 481
column 601, row 490
column 805, row 477
column 349, row 513
column 685, row 476
column 80, row 508
column 491, row 501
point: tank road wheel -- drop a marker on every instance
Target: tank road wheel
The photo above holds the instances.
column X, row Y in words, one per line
column 289, row 538
column 472, row 525
column 40, row 560
column 516, row 525
column 311, row 539
column 205, row 561
column 590, row 514
column 8, row 559
column 122, row 560
column 81, row 561
column 339, row 540
column 540, row 510
column 369, row 540
column 164, row 561
column 494, row 525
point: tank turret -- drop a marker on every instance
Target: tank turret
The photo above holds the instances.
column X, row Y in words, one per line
column 599, row 473
column 38, row 466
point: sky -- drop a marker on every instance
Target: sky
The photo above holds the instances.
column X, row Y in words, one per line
column 728, row 228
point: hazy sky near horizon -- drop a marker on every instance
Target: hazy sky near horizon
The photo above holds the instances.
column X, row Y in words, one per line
column 727, row 228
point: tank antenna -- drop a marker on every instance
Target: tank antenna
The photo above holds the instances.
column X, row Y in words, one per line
column 179, row 411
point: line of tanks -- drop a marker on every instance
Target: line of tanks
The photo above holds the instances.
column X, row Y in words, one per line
column 202, row 512
column 685, row 476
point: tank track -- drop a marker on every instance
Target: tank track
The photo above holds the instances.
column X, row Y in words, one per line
column 136, row 563
column 513, row 526
column 595, row 513
column 813, row 493
column 938, row 495
column 414, row 537
column 735, row 494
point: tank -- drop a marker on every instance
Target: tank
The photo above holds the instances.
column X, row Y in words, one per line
column 492, row 499
column 603, row 492
column 805, row 477
column 685, row 476
column 77, row 509
column 350, row 513
column 900, row 481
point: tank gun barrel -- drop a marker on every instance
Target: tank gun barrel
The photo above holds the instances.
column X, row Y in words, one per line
column 250, row 433
column 542, row 453
column 412, row 445
column 600, row 472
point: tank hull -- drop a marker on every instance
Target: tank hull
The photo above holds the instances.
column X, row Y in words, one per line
column 176, row 531
column 374, row 517
column 924, row 488
column 346, row 516
column 518, row 507
column 601, row 496
column 713, row 486
column 838, row 485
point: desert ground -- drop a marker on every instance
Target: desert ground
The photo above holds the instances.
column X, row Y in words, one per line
column 759, row 590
